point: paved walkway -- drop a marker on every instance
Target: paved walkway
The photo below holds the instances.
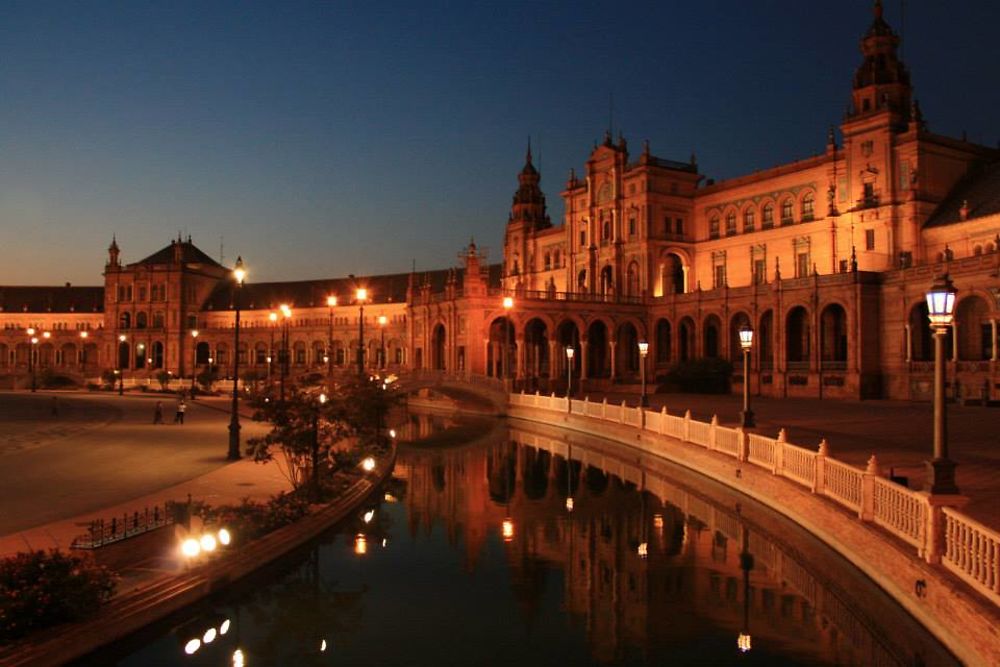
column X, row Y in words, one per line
column 899, row 433
column 101, row 456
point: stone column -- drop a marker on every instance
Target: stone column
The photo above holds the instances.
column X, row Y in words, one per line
column 909, row 343
column 993, row 340
column 614, row 366
column 519, row 355
column 584, row 344
column 554, row 363
column 687, row 282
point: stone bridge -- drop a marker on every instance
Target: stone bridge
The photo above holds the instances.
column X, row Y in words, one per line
column 476, row 392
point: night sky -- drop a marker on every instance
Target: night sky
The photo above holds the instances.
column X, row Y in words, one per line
column 321, row 139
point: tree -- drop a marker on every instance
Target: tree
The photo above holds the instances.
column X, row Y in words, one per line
column 207, row 377
column 163, row 377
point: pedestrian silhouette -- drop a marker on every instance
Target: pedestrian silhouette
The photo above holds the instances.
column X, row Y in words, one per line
column 181, row 407
column 158, row 413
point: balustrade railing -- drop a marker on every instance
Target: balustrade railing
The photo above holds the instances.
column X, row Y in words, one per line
column 101, row 532
column 967, row 548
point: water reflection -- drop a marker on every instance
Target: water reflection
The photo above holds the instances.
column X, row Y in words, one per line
column 525, row 545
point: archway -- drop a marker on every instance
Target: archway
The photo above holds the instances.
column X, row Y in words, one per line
column 536, row 349
column 140, row 320
column 663, row 341
column 627, row 350
column 535, row 470
column 598, row 361
column 568, row 335
column 438, row 348
column 797, row 338
column 501, row 353
column 632, row 280
column 921, row 336
column 833, row 337
column 972, row 325
column 685, row 339
column 607, row 280
column 710, row 337
column 157, row 355
column 123, row 354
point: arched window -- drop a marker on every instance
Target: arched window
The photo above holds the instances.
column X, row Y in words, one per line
column 158, row 320
column 748, row 220
column 140, row 320
column 125, row 321
column 786, row 211
column 807, row 207
column 730, row 223
column 767, row 216
column 713, row 227
column 662, row 341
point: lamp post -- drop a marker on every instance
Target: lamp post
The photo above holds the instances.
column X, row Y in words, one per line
column 286, row 313
column 940, row 309
column 746, row 564
column 315, row 447
column 569, row 370
column 273, row 318
column 331, row 301
column 360, row 295
column 83, row 350
column 194, row 359
column 382, row 321
column 508, row 305
column 33, row 340
column 121, row 367
column 746, row 342
column 643, row 351
column 239, row 275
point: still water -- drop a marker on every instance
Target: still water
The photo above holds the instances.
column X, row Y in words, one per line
column 488, row 548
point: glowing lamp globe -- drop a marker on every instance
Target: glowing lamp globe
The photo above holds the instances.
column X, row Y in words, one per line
column 941, row 302
column 746, row 337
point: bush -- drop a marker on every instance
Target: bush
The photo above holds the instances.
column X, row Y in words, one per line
column 207, row 378
column 39, row 590
column 163, row 377
column 51, row 380
column 698, row 376
column 109, row 378
column 250, row 520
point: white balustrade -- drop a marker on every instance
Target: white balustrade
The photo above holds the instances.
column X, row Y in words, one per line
column 727, row 441
column 843, row 483
column 902, row 511
column 972, row 551
column 762, row 450
column 799, row 465
column 698, row 433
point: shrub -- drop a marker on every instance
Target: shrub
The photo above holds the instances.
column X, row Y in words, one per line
column 39, row 590
column 163, row 377
column 250, row 520
column 52, row 380
column 207, row 377
column 109, row 378
column 698, row 376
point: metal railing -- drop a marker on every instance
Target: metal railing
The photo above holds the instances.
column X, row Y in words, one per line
column 101, row 532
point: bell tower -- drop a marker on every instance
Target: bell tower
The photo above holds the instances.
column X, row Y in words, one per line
column 882, row 81
column 528, row 216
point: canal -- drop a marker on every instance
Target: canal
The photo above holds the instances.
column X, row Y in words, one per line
column 507, row 543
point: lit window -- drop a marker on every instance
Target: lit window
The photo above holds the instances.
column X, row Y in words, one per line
column 748, row 220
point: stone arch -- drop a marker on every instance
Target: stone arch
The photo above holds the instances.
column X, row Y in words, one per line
column 141, row 320
column 833, row 336
column 797, row 337
column 581, row 281
column 632, row 279
column 156, row 355
column 731, row 221
column 438, row 347
column 748, row 217
column 568, row 335
column 598, row 359
column 807, row 205
column 672, row 273
column 737, row 321
column 661, row 345
column 536, row 348
column 767, row 213
column 711, row 335
column 685, row 339
column 318, row 349
column 501, row 351
column 607, row 280
column 125, row 321
column 787, row 209
column 972, row 326
column 627, row 349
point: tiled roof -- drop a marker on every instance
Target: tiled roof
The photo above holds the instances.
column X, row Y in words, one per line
column 190, row 254
column 68, row 299
column 312, row 293
column 980, row 188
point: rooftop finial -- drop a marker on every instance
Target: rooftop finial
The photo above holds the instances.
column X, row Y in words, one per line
column 528, row 156
column 877, row 9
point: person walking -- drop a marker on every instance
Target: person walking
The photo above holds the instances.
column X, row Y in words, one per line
column 181, row 407
column 158, row 413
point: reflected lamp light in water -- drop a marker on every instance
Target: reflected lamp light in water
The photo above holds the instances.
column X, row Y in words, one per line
column 569, row 504
column 322, row 646
column 360, row 544
column 192, row 646
column 643, row 550
column 238, row 660
column 507, row 529
column 369, row 515
column 743, row 642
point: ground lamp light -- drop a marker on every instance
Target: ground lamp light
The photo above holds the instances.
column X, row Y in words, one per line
column 121, row 369
column 361, row 295
column 239, row 276
column 569, row 371
column 368, row 464
column 940, row 311
column 643, row 351
column 746, row 342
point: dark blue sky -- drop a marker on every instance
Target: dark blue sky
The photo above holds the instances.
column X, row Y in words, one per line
column 322, row 139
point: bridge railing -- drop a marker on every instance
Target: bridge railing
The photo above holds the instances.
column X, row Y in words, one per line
column 940, row 534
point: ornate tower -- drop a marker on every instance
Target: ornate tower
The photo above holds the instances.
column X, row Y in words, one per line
column 881, row 82
column 527, row 217
column 113, row 255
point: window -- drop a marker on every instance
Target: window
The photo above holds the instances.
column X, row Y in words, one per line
column 555, row 262
column 869, row 239
column 142, row 293
column 748, row 220
column 125, row 321
column 583, row 238
column 786, row 212
column 767, row 216
column 606, row 234
column 679, row 225
column 807, row 207
column 713, row 227
column 730, row 223
column 719, row 276
column 548, row 261
column 631, row 226
column 802, row 265
column 759, row 271
column 158, row 320
column 869, row 194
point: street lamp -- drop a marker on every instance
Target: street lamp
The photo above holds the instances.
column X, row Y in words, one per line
column 239, row 275
column 508, row 304
column 31, row 357
column 83, row 349
column 746, row 564
column 360, row 295
column 746, row 342
column 286, row 313
column 121, row 367
column 273, row 317
column 315, row 447
column 940, row 311
column 643, row 351
column 382, row 321
column 569, row 370
column 331, row 301
column 194, row 359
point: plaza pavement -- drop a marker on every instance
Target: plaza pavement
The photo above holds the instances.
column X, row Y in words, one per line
column 101, row 456
column 899, row 433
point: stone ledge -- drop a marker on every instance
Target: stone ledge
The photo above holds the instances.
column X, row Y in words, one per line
column 968, row 625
